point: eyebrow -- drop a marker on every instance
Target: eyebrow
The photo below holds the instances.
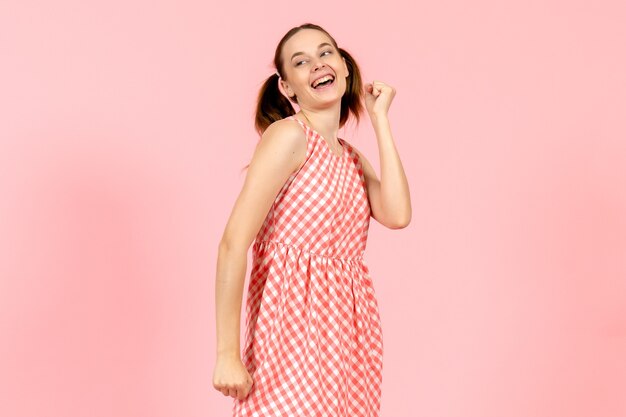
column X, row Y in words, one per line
column 318, row 47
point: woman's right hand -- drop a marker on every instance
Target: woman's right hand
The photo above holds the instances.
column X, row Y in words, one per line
column 231, row 377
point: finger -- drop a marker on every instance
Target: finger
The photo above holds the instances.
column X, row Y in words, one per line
column 224, row 391
column 232, row 392
column 242, row 393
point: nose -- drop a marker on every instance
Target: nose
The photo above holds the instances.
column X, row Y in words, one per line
column 319, row 65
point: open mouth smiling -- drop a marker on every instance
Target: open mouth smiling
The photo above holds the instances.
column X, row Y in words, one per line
column 323, row 82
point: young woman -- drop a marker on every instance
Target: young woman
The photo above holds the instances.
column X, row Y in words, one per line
column 313, row 344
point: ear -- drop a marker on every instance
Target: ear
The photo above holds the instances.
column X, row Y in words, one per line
column 345, row 66
column 286, row 88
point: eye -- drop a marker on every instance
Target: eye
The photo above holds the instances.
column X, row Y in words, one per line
column 300, row 62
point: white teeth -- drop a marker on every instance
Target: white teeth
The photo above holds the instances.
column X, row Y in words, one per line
column 326, row 77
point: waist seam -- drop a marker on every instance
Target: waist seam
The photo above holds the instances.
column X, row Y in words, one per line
column 301, row 249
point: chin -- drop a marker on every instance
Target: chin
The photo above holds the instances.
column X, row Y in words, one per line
column 331, row 98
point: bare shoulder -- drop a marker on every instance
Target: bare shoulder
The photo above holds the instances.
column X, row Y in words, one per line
column 286, row 141
column 286, row 131
column 278, row 153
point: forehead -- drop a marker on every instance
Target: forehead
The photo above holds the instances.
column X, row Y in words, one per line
column 306, row 40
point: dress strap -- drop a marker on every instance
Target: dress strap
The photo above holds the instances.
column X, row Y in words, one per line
column 304, row 125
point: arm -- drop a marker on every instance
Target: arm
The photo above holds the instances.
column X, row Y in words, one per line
column 278, row 154
column 389, row 196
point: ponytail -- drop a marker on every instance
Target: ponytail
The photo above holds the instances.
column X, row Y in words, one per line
column 351, row 102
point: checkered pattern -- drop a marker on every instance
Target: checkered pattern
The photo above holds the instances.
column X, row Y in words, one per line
column 313, row 340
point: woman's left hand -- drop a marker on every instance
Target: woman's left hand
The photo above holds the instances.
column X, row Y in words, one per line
column 378, row 97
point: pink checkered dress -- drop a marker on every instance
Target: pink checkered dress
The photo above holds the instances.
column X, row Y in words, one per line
column 314, row 344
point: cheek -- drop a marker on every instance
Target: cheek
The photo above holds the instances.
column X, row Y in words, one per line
column 305, row 84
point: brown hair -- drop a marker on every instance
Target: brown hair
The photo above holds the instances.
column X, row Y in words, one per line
column 272, row 105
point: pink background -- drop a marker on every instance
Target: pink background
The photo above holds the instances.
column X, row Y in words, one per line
column 123, row 129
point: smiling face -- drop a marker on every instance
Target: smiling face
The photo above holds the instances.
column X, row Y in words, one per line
column 307, row 56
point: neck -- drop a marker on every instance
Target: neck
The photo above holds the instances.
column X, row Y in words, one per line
column 324, row 121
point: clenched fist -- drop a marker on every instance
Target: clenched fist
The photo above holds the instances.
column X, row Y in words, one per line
column 231, row 377
column 378, row 98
